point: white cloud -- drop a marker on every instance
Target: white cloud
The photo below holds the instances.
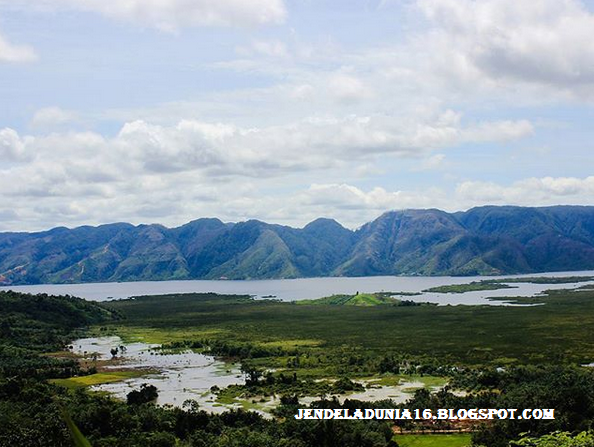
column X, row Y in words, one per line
column 499, row 131
column 203, row 168
column 306, row 144
column 347, row 197
column 546, row 42
column 12, row 147
column 327, row 115
column 175, row 199
column 15, row 53
column 354, row 206
column 348, row 88
column 52, row 116
column 224, row 149
column 530, row 191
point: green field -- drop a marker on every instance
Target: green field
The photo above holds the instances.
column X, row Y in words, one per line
column 457, row 440
column 560, row 328
column 97, row 379
column 360, row 299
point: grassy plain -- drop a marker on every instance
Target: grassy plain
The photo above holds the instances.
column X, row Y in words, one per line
column 455, row 440
column 559, row 328
column 363, row 299
column 97, row 379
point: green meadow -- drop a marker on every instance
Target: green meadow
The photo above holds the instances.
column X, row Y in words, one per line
column 552, row 328
column 96, row 379
column 455, row 440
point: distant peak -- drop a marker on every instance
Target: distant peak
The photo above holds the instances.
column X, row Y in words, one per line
column 322, row 222
column 204, row 220
column 412, row 212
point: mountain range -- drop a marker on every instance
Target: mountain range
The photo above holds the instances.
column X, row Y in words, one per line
column 487, row 240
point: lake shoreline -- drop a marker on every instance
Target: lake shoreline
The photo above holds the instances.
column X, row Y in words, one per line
column 313, row 288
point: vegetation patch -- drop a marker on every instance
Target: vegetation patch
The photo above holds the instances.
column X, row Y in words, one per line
column 292, row 343
column 453, row 440
column 98, row 378
column 153, row 335
column 497, row 357
column 470, row 287
column 360, row 299
column 360, row 339
column 545, row 279
column 397, row 379
column 496, row 284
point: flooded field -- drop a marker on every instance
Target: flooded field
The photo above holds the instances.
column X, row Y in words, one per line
column 180, row 377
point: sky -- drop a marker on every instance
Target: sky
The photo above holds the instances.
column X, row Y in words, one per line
column 165, row 111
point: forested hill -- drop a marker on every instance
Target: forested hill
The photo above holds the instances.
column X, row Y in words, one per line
column 32, row 324
column 45, row 322
column 484, row 240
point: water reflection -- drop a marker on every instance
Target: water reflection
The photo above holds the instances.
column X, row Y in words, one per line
column 188, row 375
column 179, row 377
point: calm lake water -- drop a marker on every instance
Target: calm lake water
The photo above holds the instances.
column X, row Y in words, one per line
column 309, row 288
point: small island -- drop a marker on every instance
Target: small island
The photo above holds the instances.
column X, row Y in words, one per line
column 504, row 283
column 362, row 300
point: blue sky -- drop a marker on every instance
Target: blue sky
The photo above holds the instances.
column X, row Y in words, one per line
column 166, row 111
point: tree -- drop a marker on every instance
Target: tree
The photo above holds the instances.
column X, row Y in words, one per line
column 557, row 439
column 5, row 329
column 146, row 394
column 252, row 374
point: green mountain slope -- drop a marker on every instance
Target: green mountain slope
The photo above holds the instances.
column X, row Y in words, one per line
column 485, row 240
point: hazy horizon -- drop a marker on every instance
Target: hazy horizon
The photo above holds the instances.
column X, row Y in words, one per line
column 371, row 219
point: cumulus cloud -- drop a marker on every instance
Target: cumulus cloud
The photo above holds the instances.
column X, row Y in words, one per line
column 15, row 53
column 530, row 191
column 219, row 149
column 347, row 197
column 79, row 175
column 12, row 147
column 175, row 199
column 354, row 206
column 541, row 41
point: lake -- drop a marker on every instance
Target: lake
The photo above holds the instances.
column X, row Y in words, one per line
column 309, row 288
